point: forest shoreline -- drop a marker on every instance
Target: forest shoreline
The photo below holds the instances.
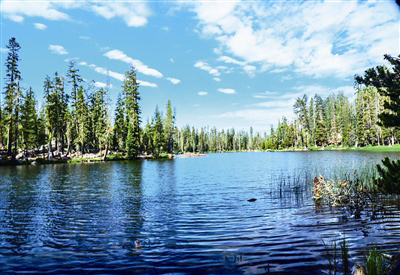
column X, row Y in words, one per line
column 92, row 158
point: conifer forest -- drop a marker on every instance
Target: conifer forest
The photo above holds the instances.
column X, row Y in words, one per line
column 76, row 118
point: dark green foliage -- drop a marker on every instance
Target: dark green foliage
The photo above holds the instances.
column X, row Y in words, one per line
column 12, row 93
column 301, row 111
column 74, row 79
column 387, row 81
column 29, row 121
column 169, row 128
column 158, row 133
column 120, row 130
column 131, row 94
column 56, row 104
column 98, row 118
column 82, row 119
column 389, row 172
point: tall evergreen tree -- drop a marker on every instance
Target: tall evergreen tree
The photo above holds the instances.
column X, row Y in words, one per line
column 29, row 120
column 132, row 97
column 387, row 81
column 300, row 109
column 82, row 115
column 12, row 91
column 1, row 125
column 169, row 128
column 158, row 133
column 74, row 79
column 120, row 128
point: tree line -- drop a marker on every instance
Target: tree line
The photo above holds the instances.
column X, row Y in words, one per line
column 75, row 119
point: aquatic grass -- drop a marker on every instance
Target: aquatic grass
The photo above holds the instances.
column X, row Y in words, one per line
column 331, row 257
column 344, row 254
column 331, row 252
column 376, row 262
column 294, row 182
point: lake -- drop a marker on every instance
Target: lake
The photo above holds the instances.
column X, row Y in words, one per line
column 191, row 215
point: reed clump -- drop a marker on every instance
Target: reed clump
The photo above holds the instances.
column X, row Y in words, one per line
column 376, row 261
column 351, row 191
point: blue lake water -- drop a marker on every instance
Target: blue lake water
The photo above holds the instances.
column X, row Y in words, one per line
column 191, row 215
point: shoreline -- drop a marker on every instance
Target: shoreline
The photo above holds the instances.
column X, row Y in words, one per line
column 91, row 158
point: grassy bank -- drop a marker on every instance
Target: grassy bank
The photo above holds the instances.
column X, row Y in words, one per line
column 380, row 148
column 394, row 148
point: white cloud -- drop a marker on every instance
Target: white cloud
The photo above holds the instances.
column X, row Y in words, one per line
column 16, row 10
column 39, row 26
column 265, row 94
column 205, row 67
column 173, row 80
column 101, row 85
column 318, row 39
column 226, row 91
column 134, row 14
column 172, row 60
column 84, row 37
column 115, row 75
column 288, row 104
column 202, row 93
column 250, row 69
column 228, row 59
column 147, row 84
column 165, row 28
column 139, row 66
column 217, row 79
column 57, row 49
column 104, row 71
column 258, row 118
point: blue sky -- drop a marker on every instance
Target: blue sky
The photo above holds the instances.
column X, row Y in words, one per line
column 224, row 64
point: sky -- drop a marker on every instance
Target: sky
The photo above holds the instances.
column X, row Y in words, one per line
column 221, row 63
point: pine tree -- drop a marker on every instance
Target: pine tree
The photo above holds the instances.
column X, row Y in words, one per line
column 12, row 92
column 1, row 125
column 387, row 81
column 62, row 111
column 120, row 127
column 389, row 181
column 320, row 125
column 388, row 84
column 131, row 93
column 300, row 109
column 82, row 115
column 29, row 120
column 158, row 133
column 73, row 78
column 169, row 128
column 50, row 111
column 147, row 143
column 311, row 122
column 98, row 118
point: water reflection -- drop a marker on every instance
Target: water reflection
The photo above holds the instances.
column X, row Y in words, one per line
column 191, row 216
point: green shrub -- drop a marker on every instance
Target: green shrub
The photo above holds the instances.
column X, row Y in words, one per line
column 389, row 172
